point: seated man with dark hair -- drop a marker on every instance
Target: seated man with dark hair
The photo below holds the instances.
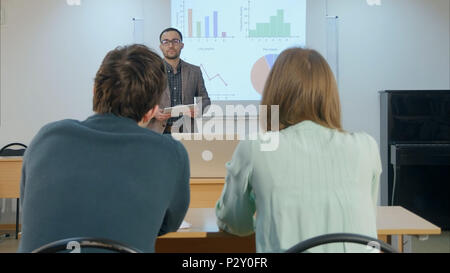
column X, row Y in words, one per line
column 108, row 176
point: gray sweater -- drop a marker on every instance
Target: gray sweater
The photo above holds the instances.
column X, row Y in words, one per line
column 104, row 177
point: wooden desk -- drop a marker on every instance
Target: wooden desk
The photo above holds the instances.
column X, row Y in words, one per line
column 10, row 173
column 400, row 221
column 204, row 191
column 204, row 235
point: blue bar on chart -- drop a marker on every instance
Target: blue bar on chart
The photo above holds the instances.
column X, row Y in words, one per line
column 207, row 26
column 216, row 15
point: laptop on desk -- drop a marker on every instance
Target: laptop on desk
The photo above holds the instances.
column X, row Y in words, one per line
column 208, row 157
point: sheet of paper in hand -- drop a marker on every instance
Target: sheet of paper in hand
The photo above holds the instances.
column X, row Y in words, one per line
column 179, row 109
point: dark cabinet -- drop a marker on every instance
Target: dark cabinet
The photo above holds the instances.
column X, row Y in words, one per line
column 415, row 150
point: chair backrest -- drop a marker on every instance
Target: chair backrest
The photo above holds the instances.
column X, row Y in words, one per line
column 77, row 244
column 12, row 152
column 341, row 238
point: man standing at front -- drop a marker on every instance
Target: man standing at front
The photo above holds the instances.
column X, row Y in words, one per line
column 185, row 83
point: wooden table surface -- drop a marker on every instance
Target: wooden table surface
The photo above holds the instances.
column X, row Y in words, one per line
column 10, row 173
column 204, row 192
column 390, row 221
column 205, row 236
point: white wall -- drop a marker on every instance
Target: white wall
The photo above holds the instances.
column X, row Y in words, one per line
column 157, row 18
column 50, row 53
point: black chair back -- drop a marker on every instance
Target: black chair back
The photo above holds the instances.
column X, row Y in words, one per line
column 341, row 238
column 77, row 244
column 13, row 152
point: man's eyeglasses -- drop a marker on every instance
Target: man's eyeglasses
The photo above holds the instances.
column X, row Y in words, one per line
column 174, row 42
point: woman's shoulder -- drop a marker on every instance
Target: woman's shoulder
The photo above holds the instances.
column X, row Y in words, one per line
column 363, row 138
column 362, row 142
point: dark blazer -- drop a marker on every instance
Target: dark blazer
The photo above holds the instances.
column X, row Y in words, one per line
column 193, row 86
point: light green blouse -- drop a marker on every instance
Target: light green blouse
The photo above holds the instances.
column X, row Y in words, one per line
column 318, row 181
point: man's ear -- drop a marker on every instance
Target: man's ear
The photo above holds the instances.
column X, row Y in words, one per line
column 150, row 114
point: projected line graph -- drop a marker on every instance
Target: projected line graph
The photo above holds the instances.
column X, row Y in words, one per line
column 213, row 77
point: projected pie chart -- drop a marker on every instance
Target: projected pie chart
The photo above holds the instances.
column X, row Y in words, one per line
column 261, row 70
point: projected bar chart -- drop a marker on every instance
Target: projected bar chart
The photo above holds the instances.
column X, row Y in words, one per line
column 204, row 31
column 275, row 28
column 236, row 42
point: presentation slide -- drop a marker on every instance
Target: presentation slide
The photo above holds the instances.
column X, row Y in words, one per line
column 236, row 42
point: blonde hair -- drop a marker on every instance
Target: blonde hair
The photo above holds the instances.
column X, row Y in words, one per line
column 302, row 84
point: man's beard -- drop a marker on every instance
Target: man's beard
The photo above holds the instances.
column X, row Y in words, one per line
column 173, row 57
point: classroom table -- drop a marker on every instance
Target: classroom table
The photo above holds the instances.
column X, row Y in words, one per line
column 10, row 173
column 205, row 237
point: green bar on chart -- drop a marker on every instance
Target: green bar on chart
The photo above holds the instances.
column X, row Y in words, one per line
column 199, row 29
column 287, row 30
column 280, row 23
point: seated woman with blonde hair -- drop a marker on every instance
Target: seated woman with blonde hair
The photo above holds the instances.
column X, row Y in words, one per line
column 320, row 180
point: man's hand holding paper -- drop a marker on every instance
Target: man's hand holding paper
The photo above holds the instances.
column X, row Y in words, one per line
column 190, row 110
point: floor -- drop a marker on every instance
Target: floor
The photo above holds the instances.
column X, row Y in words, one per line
column 9, row 244
column 434, row 244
